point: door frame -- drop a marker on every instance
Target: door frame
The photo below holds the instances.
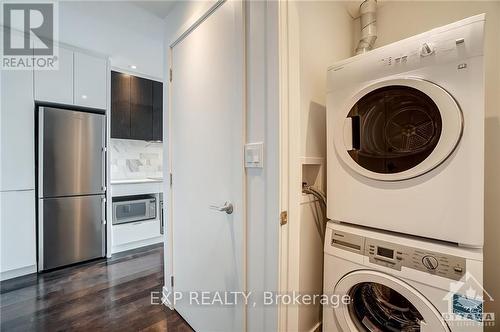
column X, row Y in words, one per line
column 290, row 161
column 169, row 272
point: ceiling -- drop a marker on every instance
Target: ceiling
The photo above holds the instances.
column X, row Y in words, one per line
column 159, row 8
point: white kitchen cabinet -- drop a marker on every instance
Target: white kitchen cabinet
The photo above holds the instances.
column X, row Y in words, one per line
column 90, row 81
column 135, row 235
column 56, row 86
column 17, row 233
column 17, row 165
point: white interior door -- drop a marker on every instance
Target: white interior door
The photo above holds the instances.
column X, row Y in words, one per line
column 207, row 129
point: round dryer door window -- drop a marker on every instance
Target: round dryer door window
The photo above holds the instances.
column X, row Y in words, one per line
column 380, row 302
column 398, row 129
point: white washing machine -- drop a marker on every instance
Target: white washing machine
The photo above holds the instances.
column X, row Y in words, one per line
column 382, row 282
column 406, row 136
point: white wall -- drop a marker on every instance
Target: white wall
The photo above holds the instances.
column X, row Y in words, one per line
column 126, row 33
column 325, row 36
column 400, row 19
column 262, row 125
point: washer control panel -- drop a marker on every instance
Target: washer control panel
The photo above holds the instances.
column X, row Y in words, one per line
column 396, row 256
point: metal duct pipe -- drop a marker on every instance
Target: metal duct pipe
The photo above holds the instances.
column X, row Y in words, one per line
column 368, row 19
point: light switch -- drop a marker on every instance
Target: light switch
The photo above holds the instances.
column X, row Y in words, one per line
column 254, row 155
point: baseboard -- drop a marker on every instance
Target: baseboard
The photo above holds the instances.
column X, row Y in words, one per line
column 136, row 244
column 17, row 272
column 316, row 328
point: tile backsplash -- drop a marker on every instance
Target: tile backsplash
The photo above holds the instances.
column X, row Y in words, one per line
column 132, row 159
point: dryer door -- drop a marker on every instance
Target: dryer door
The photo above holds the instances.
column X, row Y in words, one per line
column 380, row 302
column 398, row 129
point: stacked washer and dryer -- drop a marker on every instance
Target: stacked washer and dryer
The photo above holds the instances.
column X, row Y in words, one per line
column 405, row 184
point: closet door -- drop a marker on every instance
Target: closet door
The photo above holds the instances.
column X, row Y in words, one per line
column 207, row 193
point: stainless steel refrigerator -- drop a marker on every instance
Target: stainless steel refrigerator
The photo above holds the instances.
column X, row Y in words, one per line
column 71, row 186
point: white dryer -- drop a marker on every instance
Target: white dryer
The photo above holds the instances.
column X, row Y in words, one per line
column 379, row 282
column 406, row 136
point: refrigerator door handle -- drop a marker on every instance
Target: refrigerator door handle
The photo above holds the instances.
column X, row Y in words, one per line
column 103, row 210
column 40, row 235
column 103, row 175
column 40, row 152
column 162, row 222
column 103, row 220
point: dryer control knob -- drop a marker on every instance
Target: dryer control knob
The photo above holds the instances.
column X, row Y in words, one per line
column 426, row 49
column 430, row 262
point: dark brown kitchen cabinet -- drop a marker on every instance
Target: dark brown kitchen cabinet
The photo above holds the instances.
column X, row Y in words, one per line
column 141, row 108
column 157, row 111
column 136, row 107
column 120, row 105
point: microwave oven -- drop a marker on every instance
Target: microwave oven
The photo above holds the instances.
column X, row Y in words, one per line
column 133, row 208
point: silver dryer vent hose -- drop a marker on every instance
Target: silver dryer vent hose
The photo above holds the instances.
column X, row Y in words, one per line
column 368, row 19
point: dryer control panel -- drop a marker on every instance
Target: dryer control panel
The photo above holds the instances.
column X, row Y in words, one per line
column 396, row 256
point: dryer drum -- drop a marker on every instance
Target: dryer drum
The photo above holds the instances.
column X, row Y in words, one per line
column 375, row 307
column 395, row 128
column 405, row 134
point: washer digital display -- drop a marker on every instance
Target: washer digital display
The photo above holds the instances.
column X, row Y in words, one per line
column 384, row 252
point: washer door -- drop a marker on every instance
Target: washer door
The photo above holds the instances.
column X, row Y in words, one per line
column 398, row 129
column 380, row 302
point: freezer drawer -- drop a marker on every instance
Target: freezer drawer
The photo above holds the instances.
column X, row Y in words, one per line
column 71, row 152
column 71, row 230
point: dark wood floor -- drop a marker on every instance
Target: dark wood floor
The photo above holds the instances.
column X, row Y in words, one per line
column 111, row 295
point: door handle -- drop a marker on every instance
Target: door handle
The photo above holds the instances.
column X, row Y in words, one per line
column 103, row 210
column 227, row 207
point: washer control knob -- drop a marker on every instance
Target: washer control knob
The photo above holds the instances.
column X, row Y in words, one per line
column 426, row 49
column 430, row 262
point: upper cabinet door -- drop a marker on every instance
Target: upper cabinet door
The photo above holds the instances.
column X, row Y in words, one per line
column 90, row 81
column 157, row 111
column 141, row 108
column 17, row 165
column 56, row 85
column 120, row 105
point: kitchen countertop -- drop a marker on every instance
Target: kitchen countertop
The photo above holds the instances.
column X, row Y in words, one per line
column 130, row 181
